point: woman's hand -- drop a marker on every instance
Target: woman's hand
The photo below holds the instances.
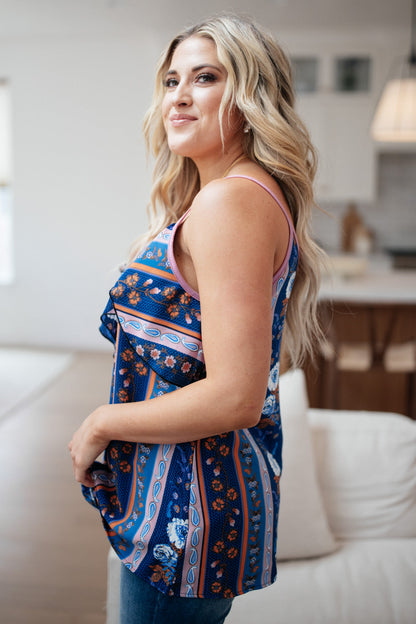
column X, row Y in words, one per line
column 87, row 443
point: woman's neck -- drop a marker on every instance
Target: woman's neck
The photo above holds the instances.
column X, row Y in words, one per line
column 220, row 167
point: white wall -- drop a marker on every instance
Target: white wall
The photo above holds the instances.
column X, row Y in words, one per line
column 81, row 184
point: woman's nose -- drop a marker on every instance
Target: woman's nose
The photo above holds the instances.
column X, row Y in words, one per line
column 182, row 95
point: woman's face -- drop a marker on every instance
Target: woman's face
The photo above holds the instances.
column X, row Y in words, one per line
column 194, row 85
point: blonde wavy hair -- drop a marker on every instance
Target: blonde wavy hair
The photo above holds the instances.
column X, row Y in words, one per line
column 259, row 84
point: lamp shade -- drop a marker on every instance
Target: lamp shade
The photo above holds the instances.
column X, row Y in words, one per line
column 395, row 117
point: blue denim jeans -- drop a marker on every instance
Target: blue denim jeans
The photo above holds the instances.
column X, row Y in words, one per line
column 140, row 603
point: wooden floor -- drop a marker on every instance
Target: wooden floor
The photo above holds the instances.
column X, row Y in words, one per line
column 52, row 546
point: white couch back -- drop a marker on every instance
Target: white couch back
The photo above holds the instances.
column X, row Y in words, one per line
column 345, row 474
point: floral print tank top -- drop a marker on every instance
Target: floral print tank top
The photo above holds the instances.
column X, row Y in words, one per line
column 197, row 519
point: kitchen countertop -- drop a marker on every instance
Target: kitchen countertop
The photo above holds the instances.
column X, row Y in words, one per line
column 379, row 284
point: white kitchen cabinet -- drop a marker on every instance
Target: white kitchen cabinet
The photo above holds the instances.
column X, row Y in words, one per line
column 339, row 124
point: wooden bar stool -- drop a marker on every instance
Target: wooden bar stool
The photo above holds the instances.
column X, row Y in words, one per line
column 367, row 337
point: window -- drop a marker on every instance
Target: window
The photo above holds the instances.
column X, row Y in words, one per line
column 6, row 234
column 352, row 74
column 305, row 74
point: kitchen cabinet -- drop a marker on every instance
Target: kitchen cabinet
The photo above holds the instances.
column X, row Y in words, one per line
column 339, row 124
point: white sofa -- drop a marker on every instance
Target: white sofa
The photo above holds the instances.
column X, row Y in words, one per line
column 347, row 526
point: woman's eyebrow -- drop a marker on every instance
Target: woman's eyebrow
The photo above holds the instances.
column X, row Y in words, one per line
column 170, row 72
column 205, row 65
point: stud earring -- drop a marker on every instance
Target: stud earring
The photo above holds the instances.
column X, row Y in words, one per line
column 246, row 128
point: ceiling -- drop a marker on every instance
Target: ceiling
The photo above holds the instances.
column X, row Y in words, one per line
column 27, row 18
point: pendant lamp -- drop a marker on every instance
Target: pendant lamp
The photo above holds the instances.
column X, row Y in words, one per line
column 395, row 117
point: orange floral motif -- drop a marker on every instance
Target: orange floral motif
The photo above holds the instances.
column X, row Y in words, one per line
column 232, row 535
column 218, row 547
column 210, row 443
column 134, row 297
column 228, row 593
column 218, row 504
column 186, row 367
column 123, row 397
column 173, row 310
column 114, row 453
column 118, row 290
column 127, row 448
column 131, row 280
column 217, row 485
column 128, row 355
column 140, row 368
column 232, row 552
column 232, row 494
column 115, row 502
column 224, row 449
column 185, row 299
column 125, row 466
column 216, row 587
column 169, row 292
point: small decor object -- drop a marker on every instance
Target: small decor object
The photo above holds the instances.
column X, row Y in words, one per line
column 356, row 237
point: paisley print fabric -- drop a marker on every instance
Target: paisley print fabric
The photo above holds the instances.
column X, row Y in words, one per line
column 199, row 518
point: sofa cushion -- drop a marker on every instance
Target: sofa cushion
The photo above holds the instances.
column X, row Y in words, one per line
column 303, row 529
column 364, row 582
column 366, row 464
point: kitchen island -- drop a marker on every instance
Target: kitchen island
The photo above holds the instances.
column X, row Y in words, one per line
column 368, row 314
column 377, row 282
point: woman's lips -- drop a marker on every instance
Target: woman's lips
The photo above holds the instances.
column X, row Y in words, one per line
column 181, row 120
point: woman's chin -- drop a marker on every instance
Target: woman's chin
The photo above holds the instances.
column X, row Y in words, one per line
column 180, row 149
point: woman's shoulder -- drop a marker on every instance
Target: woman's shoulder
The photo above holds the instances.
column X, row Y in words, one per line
column 236, row 218
column 248, row 195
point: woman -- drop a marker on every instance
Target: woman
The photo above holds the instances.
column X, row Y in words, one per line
column 189, row 492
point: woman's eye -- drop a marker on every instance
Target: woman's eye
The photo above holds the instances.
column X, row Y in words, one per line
column 206, row 78
column 170, row 82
